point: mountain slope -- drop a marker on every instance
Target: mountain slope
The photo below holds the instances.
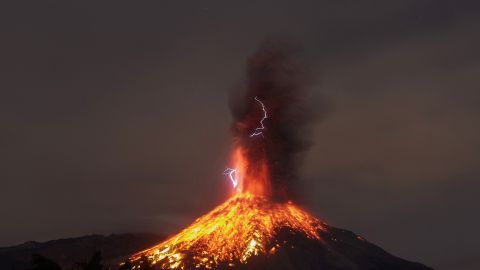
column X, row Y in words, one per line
column 66, row 252
column 253, row 232
column 339, row 250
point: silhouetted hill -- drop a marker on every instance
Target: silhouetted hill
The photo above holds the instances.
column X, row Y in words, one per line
column 66, row 252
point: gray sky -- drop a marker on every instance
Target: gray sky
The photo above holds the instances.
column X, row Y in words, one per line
column 115, row 116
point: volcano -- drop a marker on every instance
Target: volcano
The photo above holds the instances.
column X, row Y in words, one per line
column 260, row 227
column 252, row 232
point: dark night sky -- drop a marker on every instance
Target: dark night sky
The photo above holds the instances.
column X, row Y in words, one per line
column 114, row 117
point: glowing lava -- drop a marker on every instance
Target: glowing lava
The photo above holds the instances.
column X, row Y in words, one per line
column 242, row 227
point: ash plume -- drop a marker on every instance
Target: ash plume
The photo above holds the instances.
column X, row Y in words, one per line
column 275, row 78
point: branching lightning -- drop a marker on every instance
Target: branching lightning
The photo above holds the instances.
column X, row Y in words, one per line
column 259, row 130
column 232, row 175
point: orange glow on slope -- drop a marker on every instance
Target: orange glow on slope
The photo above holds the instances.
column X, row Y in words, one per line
column 242, row 227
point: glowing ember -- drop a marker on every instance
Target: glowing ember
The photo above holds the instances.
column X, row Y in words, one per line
column 242, row 227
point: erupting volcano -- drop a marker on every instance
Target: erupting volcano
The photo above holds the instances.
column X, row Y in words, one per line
column 260, row 227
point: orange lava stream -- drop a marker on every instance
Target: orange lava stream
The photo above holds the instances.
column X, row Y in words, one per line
column 238, row 229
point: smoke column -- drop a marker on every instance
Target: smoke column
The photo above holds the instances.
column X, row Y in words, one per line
column 276, row 80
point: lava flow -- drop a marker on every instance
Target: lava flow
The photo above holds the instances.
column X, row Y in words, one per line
column 240, row 228
column 266, row 140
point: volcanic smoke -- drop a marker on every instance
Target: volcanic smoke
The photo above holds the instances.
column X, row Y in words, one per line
column 271, row 122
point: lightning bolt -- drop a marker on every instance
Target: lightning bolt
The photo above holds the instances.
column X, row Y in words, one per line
column 259, row 130
column 232, row 175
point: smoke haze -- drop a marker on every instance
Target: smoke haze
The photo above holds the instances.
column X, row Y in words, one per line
column 277, row 79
